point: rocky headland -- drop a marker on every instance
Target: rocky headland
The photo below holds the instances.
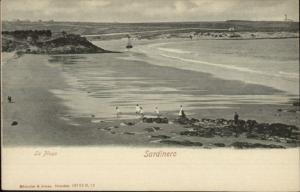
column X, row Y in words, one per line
column 43, row 42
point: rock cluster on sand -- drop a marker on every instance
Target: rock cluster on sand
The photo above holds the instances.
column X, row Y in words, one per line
column 219, row 144
column 245, row 145
column 184, row 143
column 250, row 129
column 155, row 120
column 221, row 127
column 152, row 129
column 160, row 136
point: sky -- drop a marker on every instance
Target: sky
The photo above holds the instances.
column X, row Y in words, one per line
column 149, row 10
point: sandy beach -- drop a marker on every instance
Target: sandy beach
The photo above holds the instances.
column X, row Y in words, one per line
column 53, row 108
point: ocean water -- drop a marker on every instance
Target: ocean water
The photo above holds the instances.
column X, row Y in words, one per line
column 269, row 62
column 201, row 74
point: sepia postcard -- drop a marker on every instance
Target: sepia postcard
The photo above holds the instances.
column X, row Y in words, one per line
column 150, row 95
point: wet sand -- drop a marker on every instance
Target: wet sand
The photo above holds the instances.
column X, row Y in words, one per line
column 42, row 121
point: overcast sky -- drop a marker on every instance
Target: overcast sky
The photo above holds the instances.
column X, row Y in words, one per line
column 149, row 10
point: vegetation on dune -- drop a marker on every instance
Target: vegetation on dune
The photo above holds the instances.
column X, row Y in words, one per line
column 42, row 42
column 24, row 34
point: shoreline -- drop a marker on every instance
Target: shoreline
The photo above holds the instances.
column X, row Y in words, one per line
column 222, row 35
column 186, row 38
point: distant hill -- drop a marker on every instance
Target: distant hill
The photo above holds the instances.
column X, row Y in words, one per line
column 244, row 25
column 84, row 28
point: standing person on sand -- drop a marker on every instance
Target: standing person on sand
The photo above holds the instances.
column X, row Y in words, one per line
column 9, row 99
column 157, row 112
column 236, row 121
column 236, row 118
column 137, row 109
column 118, row 112
column 141, row 112
column 181, row 112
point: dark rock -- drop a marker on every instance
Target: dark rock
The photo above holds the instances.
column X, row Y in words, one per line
column 14, row 123
column 155, row 120
column 189, row 133
column 207, row 135
column 206, row 120
column 219, row 144
column 227, row 133
column 193, row 120
column 148, row 129
column 160, row 136
column 164, row 120
column 200, row 132
column 183, row 120
column 184, row 143
column 243, row 145
column 255, row 136
column 147, row 120
column 230, row 122
column 250, row 124
column 296, row 103
column 129, row 133
column 186, row 121
column 221, row 121
column 295, row 141
column 156, row 128
column 261, row 128
column 241, row 123
column 281, row 130
column 129, row 123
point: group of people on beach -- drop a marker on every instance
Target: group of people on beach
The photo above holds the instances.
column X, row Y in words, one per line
column 140, row 112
